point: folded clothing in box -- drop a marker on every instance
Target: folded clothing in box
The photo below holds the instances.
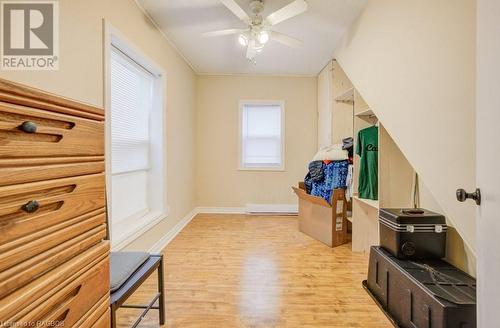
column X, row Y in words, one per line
column 331, row 153
column 335, row 174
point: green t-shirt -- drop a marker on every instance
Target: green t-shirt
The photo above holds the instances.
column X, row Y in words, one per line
column 367, row 149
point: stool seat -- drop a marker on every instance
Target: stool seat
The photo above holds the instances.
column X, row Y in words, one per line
column 123, row 265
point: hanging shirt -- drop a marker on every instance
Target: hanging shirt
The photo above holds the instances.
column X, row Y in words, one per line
column 367, row 149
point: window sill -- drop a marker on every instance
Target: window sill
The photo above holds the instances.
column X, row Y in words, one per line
column 272, row 169
column 128, row 230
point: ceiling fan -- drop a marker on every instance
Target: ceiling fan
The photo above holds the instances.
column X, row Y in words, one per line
column 259, row 32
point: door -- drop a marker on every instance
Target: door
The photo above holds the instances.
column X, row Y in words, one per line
column 325, row 106
column 488, row 159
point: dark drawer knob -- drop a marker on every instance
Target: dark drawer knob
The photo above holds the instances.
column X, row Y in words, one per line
column 28, row 127
column 463, row 195
column 31, row 206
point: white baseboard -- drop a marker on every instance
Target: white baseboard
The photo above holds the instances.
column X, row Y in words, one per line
column 172, row 233
column 272, row 208
column 221, row 210
column 252, row 208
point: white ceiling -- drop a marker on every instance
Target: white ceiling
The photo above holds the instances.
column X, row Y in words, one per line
column 321, row 28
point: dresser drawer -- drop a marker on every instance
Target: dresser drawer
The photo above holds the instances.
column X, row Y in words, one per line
column 76, row 298
column 31, row 207
column 24, row 170
column 103, row 322
column 20, row 94
column 29, row 132
column 76, row 284
column 98, row 316
column 25, row 259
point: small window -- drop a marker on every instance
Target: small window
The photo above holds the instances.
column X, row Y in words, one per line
column 262, row 140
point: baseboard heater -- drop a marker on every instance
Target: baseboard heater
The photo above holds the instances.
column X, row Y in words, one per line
column 272, row 209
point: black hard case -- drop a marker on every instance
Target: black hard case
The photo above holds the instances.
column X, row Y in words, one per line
column 413, row 233
column 422, row 294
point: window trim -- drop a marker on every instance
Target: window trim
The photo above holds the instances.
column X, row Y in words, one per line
column 272, row 102
column 131, row 228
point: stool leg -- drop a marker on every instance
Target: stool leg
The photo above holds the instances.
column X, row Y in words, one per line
column 113, row 316
column 161, row 290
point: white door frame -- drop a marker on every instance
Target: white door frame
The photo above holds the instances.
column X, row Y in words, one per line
column 325, row 99
column 487, row 159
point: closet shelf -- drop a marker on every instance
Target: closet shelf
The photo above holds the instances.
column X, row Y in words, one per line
column 347, row 97
column 369, row 202
column 367, row 112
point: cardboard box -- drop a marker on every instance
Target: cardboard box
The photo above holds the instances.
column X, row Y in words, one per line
column 320, row 220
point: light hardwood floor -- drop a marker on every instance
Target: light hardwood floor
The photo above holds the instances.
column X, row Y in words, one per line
column 259, row 271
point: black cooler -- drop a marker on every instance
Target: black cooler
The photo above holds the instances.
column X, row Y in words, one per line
column 413, row 233
column 421, row 293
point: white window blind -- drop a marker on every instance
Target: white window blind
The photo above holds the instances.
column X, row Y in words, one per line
column 261, row 136
column 131, row 103
column 131, row 107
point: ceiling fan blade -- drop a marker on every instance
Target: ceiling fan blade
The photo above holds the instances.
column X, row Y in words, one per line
column 225, row 32
column 291, row 10
column 251, row 51
column 286, row 40
column 236, row 9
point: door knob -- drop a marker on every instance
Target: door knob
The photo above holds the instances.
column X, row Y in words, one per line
column 463, row 195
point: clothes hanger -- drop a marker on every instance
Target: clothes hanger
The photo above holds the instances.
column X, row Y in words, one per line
column 376, row 120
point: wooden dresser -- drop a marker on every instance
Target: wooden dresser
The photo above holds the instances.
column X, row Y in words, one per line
column 54, row 264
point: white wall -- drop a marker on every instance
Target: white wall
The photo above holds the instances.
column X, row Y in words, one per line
column 413, row 62
column 457, row 252
column 218, row 180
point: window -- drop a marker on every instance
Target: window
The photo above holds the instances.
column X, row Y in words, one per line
column 136, row 143
column 131, row 106
column 262, row 135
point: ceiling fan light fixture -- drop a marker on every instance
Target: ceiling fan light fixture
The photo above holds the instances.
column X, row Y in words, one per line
column 263, row 37
column 259, row 29
column 243, row 40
